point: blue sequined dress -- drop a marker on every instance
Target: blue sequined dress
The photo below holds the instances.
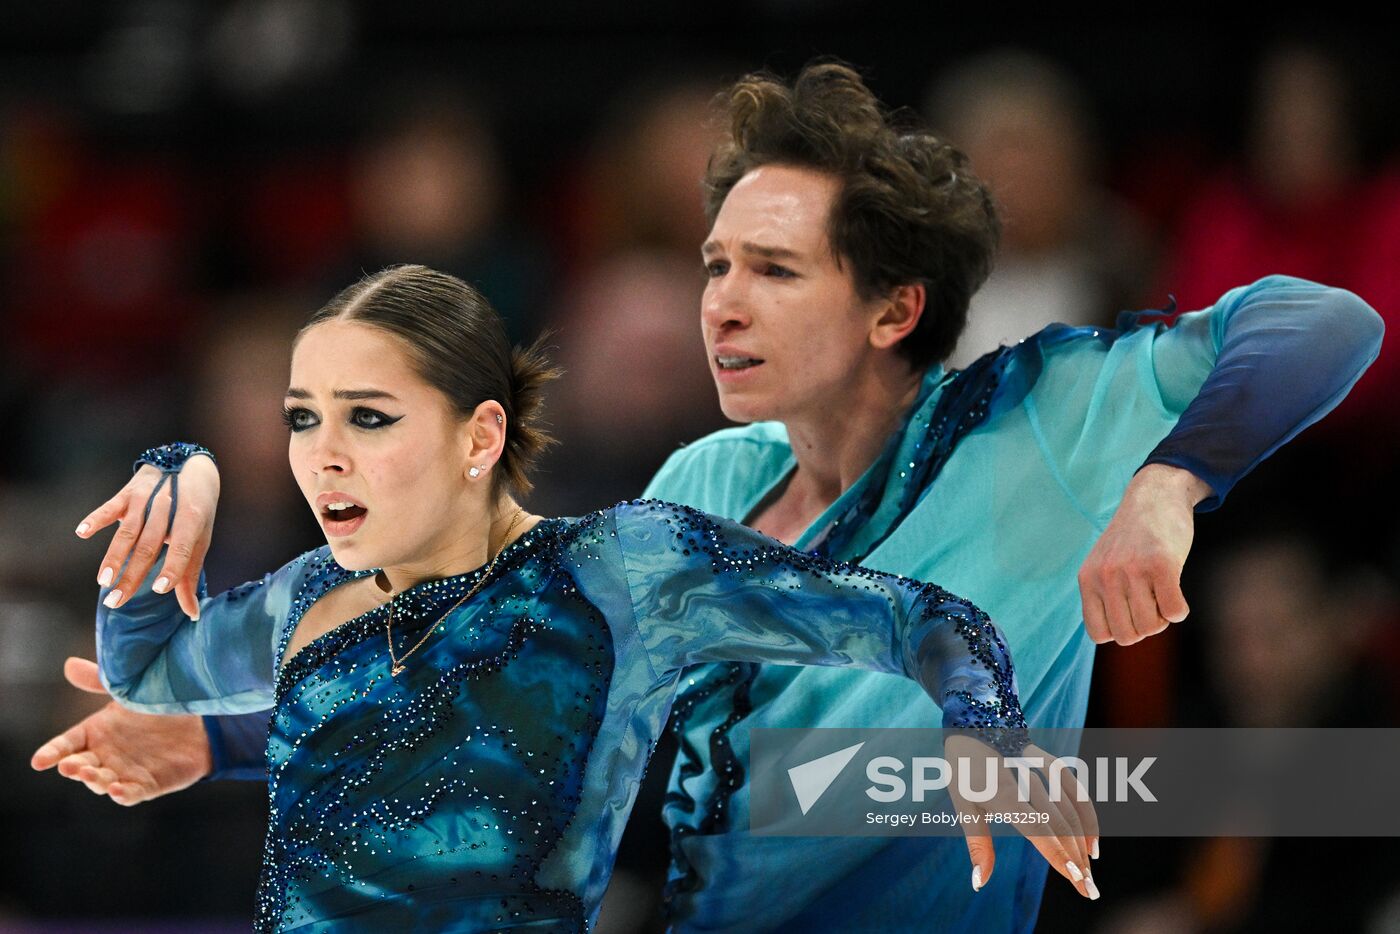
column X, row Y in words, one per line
column 486, row 786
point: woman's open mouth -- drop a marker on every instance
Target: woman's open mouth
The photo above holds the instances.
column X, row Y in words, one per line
column 342, row 518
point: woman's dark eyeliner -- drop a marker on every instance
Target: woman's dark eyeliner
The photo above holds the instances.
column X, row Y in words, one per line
column 384, row 420
column 290, row 414
column 292, row 417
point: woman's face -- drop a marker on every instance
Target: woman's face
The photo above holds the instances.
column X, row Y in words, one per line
column 368, row 431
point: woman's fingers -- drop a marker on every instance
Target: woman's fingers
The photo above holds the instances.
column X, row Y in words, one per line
column 982, row 854
column 144, row 550
column 137, row 490
column 1060, row 843
column 189, row 543
column 103, row 515
column 1073, row 795
column 1057, row 852
column 186, row 531
column 1057, row 855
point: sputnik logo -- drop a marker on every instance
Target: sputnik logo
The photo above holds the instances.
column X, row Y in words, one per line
column 810, row 780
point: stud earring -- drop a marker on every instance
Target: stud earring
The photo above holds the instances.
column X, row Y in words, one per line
column 474, row 472
column 500, row 420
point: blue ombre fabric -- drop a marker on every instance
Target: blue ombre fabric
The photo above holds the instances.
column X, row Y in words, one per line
column 487, row 785
column 997, row 485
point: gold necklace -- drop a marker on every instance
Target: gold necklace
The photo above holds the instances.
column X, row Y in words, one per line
column 396, row 664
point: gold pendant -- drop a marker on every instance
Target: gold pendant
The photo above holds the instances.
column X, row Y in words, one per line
column 396, row 670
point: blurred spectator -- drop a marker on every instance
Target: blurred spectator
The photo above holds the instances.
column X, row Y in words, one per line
column 636, row 384
column 1070, row 252
column 103, row 276
column 640, row 186
column 237, row 391
column 1300, row 203
column 1286, row 644
column 427, row 186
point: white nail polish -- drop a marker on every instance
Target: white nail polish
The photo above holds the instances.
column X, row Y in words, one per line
column 1091, row 888
column 105, row 577
column 976, row 878
column 82, row 528
column 112, row 599
column 1073, row 871
column 1094, row 849
column 161, row 585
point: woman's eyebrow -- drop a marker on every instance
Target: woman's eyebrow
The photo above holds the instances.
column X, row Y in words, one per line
column 296, row 393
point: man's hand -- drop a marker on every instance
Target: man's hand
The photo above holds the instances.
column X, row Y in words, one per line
column 1131, row 581
column 129, row 756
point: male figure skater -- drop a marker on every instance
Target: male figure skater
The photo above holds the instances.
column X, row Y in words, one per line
column 1053, row 482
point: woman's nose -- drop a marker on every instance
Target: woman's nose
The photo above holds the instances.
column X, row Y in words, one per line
column 329, row 451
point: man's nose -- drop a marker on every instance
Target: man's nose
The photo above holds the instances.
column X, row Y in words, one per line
column 725, row 304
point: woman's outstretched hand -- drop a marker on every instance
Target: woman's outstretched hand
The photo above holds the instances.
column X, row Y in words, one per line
column 141, row 532
column 1065, row 832
column 130, row 757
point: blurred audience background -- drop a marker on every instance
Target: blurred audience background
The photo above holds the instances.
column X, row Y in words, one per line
column 182, row 183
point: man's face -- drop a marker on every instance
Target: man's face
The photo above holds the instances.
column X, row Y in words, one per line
column 784, row 328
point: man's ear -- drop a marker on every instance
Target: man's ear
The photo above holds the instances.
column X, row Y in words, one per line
column 900, row 313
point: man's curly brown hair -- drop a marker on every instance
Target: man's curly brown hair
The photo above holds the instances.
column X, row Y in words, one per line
column 909, row 210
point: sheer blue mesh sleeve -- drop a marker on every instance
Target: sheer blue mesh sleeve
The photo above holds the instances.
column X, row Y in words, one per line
column 706, row 589
column 1287, row 351
column 154, row 658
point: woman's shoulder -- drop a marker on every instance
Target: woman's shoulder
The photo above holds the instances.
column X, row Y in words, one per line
column 624, row 524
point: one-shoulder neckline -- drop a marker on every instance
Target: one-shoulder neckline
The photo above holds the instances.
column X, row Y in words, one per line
column 506, row 560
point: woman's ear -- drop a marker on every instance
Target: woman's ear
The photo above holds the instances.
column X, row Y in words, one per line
column 900, row 314
column 484, row 439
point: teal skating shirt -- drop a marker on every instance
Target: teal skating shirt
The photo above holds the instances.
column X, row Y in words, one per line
column 486, row 786
column 997, row 486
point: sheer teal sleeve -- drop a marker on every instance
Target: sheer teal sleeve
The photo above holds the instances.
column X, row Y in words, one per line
column 706, row 589
column 1285, row 352
column 1215, row 393
column 154, row 658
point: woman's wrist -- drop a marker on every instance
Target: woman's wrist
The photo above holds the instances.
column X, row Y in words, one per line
column 170, row 458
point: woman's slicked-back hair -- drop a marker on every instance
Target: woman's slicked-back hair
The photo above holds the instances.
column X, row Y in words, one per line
column 909, row 209
column 458, row 345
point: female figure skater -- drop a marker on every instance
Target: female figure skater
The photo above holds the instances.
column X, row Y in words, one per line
column 464, row 695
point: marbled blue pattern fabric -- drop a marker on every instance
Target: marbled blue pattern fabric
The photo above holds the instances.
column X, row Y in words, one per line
column 486, row 787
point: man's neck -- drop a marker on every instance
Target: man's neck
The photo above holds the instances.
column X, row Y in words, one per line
column 835, row 447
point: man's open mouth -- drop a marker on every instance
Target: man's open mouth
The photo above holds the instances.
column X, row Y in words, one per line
column 737, row 363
